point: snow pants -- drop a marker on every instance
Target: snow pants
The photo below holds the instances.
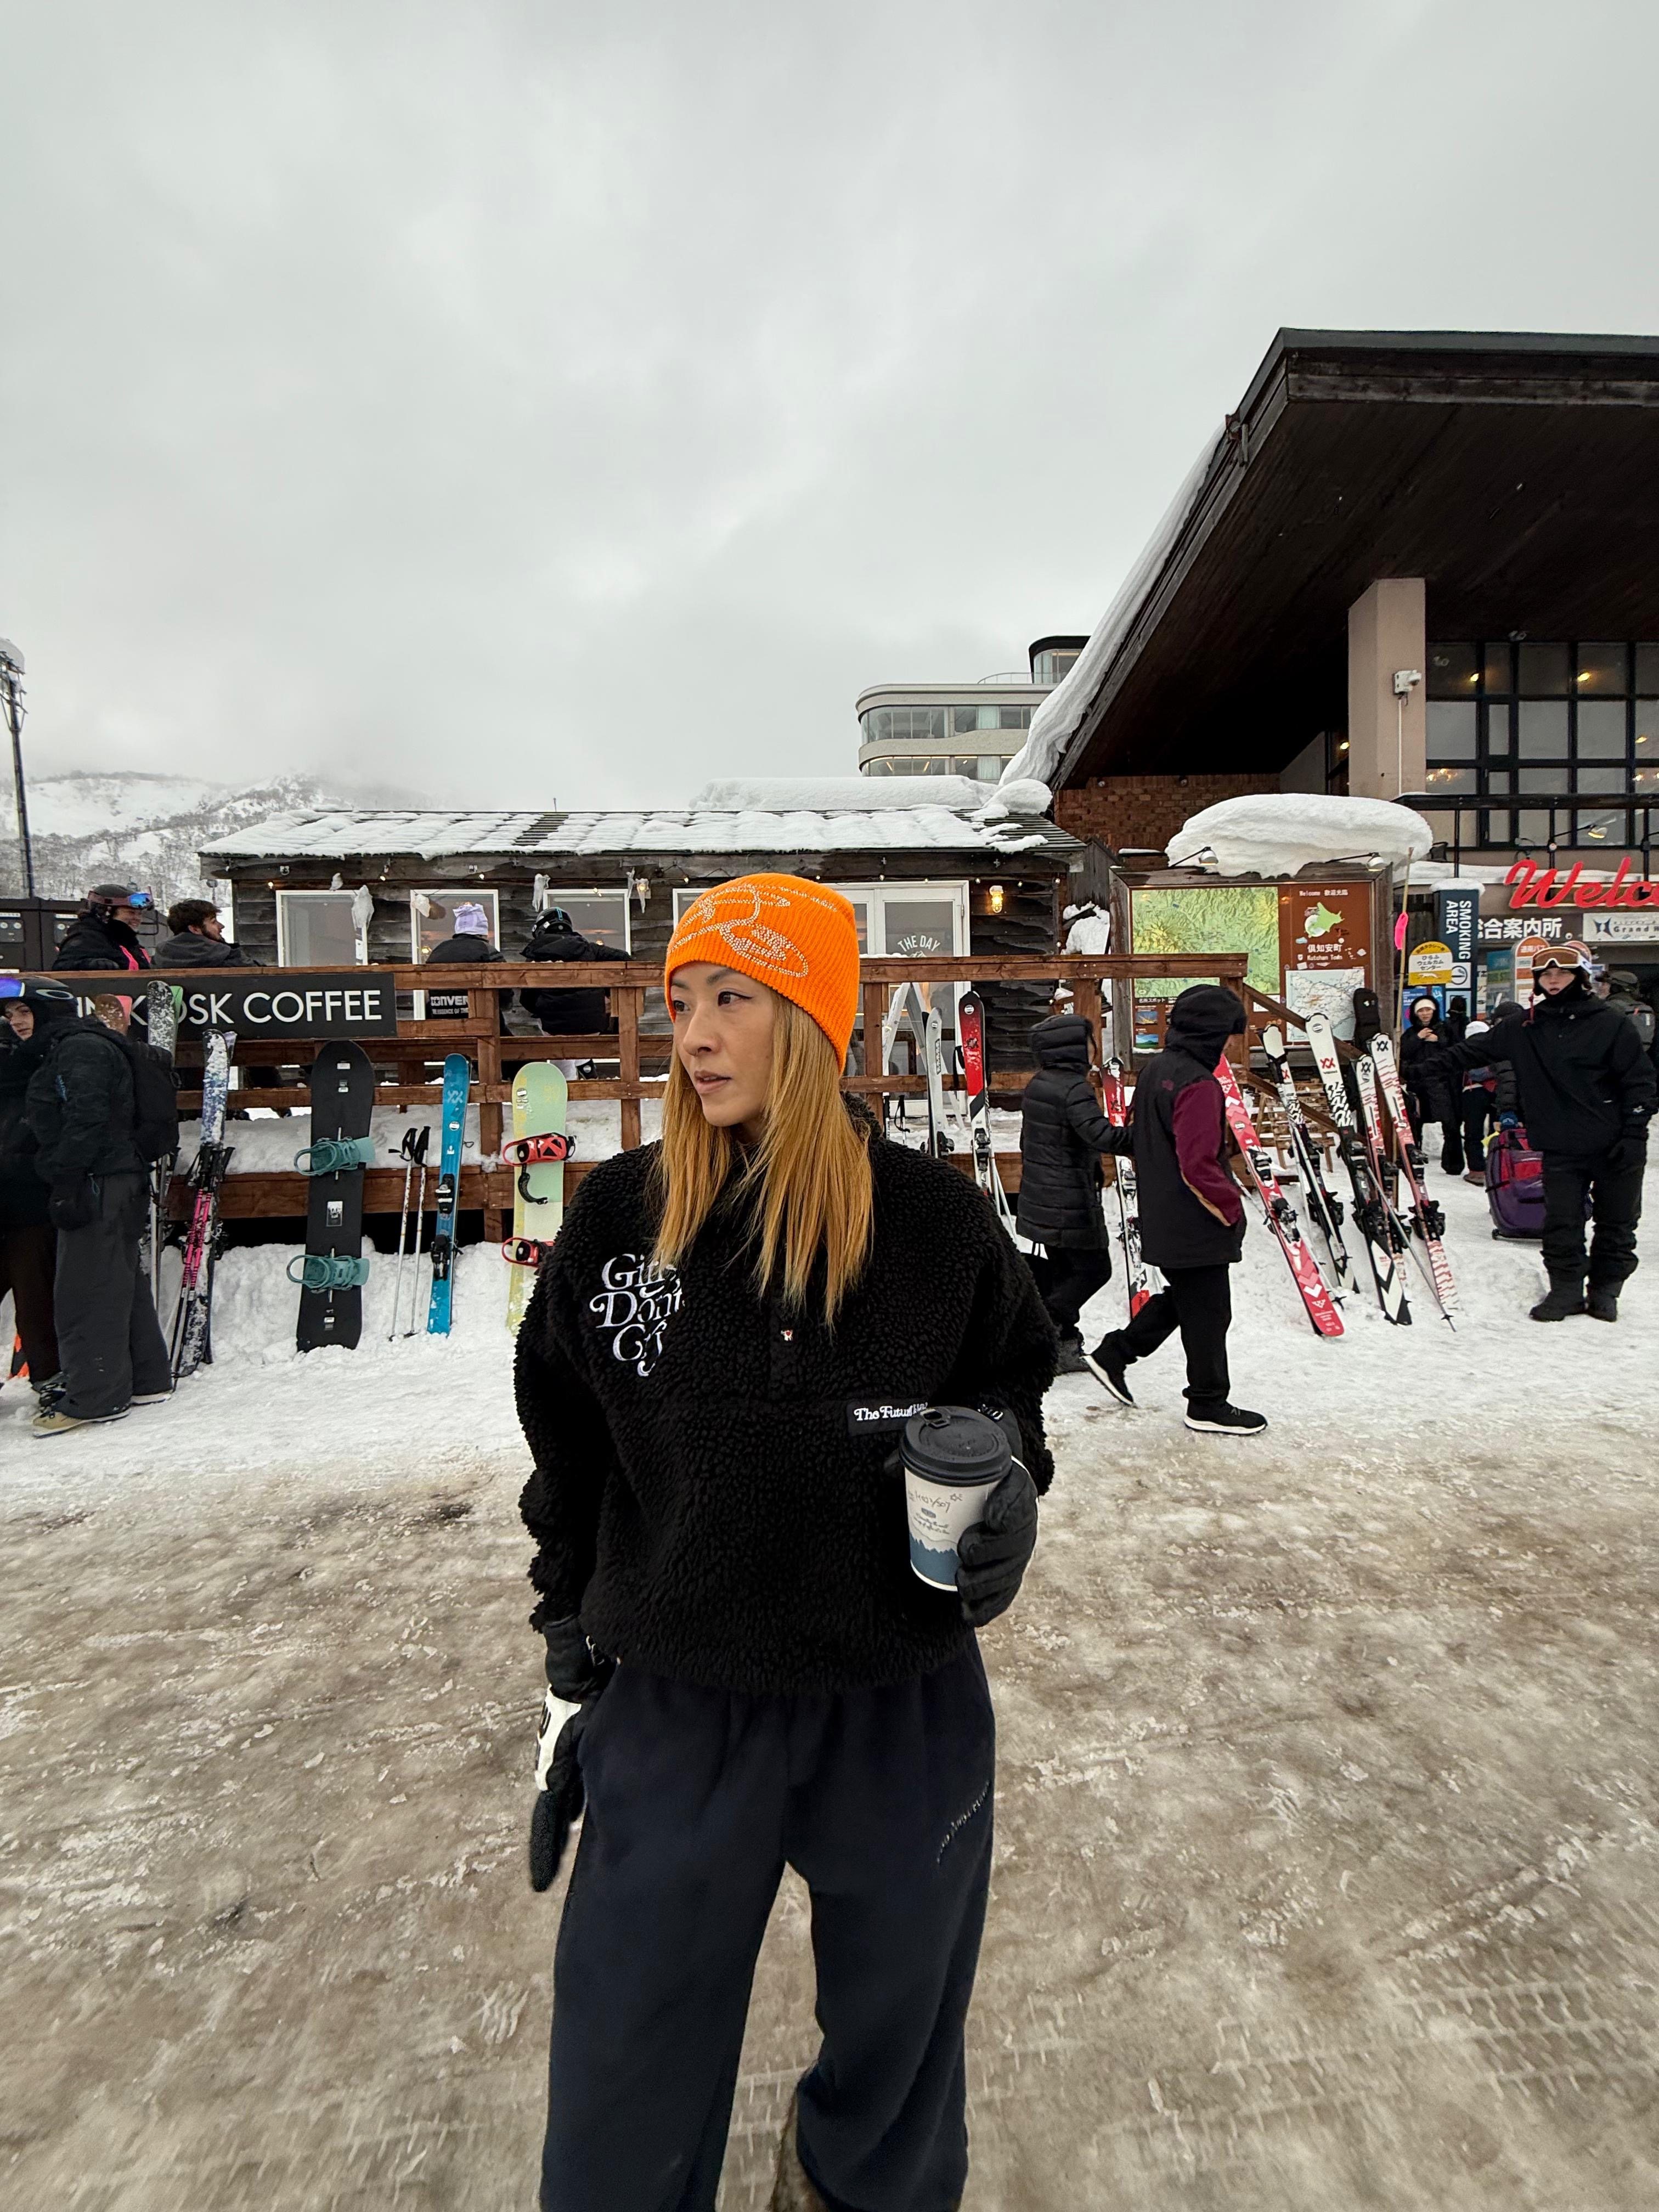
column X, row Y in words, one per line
column 1071, row 1279
column 1615, row 1201
column 107, row 1334
column 1198, row 1302
column 697, row 1799
column 28, row 1257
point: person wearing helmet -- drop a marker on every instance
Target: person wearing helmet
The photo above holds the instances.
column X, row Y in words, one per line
column 102, row 934
column 568, row 1011
column 1586, row 1091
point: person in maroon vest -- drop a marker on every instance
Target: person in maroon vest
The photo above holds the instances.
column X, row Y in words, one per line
column 1192, row 1214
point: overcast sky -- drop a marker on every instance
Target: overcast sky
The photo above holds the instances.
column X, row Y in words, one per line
column 519, row 402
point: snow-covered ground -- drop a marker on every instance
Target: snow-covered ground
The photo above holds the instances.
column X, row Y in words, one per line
column 1326, row 1868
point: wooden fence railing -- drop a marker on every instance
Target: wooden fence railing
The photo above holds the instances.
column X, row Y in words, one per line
column 640, row 1058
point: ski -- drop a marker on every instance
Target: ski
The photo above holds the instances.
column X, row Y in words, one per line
column 163, row 1002
column 1427, row 1218
column 192, row 1345
column 1400, row 1229
column 1136, row 1273
column 970, row 1028
column 1324, row 1207
column 926, row 1026
column 1372, row 1212
column 1282, row 1214
column 540, row 1145
column 342, row 1108
column 457, row 1076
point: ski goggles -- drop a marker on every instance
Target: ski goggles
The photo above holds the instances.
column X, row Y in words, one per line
column 11, row 986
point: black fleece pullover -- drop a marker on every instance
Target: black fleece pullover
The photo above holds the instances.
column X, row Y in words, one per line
column 709, row 1489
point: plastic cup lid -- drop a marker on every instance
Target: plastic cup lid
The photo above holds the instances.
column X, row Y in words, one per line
column 952, row 1444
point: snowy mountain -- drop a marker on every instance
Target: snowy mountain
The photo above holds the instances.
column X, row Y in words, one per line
column 147, row 829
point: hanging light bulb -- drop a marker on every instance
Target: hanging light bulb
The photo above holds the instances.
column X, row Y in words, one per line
column 993, row 898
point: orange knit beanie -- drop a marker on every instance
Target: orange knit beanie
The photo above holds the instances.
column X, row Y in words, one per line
column 800, row 939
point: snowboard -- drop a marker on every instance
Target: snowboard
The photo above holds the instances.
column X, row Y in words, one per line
column 191, row 1344
column 342, row 1108
column 538, row 1111
column 458, row 1077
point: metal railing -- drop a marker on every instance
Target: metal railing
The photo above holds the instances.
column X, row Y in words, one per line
column 1488, row 823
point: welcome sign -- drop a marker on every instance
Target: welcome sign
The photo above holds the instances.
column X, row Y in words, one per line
column 265, row 1005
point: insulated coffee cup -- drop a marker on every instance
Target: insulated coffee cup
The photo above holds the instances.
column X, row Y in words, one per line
column 953, row 1459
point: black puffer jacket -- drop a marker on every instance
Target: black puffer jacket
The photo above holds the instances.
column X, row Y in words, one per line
column 1583, row 1079
column 470, row 953
column 1063, row 1134
column 80, row 1107
column 709, row 1487
column 1432, row 1088
column 23, row 1194
column 567, row 1013
column 93, row 942
column 189, row 949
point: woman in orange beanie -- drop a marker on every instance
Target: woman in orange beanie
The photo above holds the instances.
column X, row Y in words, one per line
column 735, row 1328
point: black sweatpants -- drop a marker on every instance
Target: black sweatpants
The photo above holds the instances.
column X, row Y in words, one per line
column 1476, row 1111
column 1615, row 1209
column 28, row 1260
column 1199, row 1303
column 1071, row 1280
column 108, row 1337
column 697, row 1799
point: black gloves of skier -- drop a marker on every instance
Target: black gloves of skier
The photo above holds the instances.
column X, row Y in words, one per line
column 992, row 1556
column 575, row 1676
column 1631, row 1149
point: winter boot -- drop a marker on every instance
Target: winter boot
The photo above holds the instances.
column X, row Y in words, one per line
column 1565, row 1298
column 1071, row 1358
column 792, row 2191
column 1225, row 1420
column 1602, row 1301
column 1106, row 1363
column 60, row 1423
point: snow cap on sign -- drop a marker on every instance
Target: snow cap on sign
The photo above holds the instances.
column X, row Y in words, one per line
column 1275, row 833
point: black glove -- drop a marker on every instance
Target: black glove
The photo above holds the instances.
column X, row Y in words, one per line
column 994, row 1555
column 72, row 1202
column 1631, row 1151
column 574, row 1671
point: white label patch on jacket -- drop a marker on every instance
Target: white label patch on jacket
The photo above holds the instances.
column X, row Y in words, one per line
column 875, row 1416
column 634, row 1307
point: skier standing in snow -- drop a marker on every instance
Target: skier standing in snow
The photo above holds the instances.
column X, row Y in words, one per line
column 83, row 1109
column 1063, row 1134
column 718, row 1360
column 1586, row 1092
column 1192, row 1214
column 28, row 1243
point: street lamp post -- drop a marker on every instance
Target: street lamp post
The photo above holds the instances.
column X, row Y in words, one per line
column 11, row 698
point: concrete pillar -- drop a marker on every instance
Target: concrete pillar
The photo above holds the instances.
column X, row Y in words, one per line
column 1387, row 748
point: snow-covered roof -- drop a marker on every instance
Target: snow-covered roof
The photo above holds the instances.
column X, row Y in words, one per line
column 1273, row 833
column 340, row 833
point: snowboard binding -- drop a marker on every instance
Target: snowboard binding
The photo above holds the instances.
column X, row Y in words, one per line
column 524, row 1251
column 534, row 1152
column 333, row 1155
column 320, row 1271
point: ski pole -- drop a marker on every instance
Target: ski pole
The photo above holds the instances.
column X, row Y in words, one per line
column 421, row 1137
column 403, row 1233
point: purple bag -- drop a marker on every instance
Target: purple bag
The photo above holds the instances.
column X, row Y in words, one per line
column 1515, row 1185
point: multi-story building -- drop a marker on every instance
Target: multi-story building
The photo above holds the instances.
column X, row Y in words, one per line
column 959, row 729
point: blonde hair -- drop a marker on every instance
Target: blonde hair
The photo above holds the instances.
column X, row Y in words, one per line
column 811, row 1168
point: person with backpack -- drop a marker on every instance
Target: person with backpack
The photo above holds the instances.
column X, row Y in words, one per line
column 1586, row 1091
column 102, row 1110
column 738, row 1327
column 1063, row 1134
column 1192, row 1214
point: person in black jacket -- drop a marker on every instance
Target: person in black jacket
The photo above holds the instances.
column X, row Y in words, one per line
column 199, row 939
column 1063, row 1134
column 719, row 1358
column 28, row 1243
column 468, row 947
column 1586, row 1092
column 102, row 935
column 82, row 1106
column 568, row 1011
column 1431, row 1095
column 1192, row 1215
